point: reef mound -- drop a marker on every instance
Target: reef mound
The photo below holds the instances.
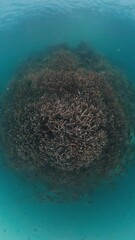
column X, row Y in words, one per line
column 64, row 119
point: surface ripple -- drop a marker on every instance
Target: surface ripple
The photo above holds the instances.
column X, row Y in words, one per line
column 10, row 11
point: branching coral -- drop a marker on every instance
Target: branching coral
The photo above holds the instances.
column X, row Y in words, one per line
column 64, row 119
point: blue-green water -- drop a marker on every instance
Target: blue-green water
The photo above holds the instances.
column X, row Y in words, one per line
column 27, row 27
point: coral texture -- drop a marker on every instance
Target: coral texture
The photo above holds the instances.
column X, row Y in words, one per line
column 63, row 113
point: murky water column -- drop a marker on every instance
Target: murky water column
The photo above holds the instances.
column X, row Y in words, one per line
column 43, row 191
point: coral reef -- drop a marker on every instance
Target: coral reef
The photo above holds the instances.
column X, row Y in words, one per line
column 64, row 118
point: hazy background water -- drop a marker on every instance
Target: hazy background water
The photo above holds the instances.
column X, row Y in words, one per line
column 27, row 26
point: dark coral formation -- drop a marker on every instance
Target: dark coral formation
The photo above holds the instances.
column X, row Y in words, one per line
column 65, row 119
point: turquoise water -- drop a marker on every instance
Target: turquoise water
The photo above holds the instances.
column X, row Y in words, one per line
column 26, row 27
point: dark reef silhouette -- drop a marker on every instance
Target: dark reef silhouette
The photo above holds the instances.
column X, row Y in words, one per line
column 67, row 118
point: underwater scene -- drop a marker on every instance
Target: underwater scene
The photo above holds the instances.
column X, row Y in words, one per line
column 67, row 120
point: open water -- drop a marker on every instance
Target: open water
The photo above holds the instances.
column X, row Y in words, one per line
column 26, row 27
